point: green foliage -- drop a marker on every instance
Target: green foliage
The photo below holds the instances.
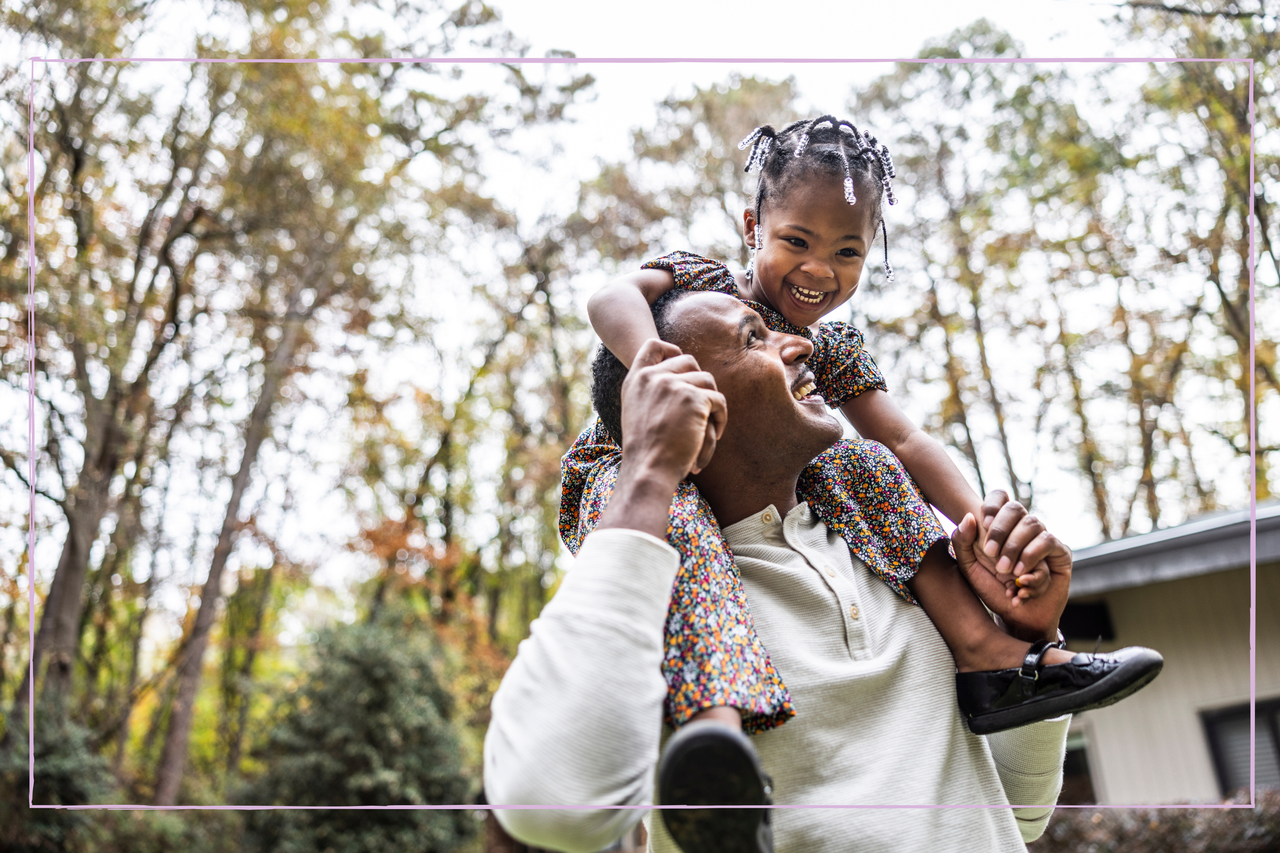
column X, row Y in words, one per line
column 162, row 832
column 1255, row 830
column 67, row 773
column 369, row 725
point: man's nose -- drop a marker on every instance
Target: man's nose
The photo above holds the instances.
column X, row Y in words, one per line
column 795, row 349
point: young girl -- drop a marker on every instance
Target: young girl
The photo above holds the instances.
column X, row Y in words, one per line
column 816, row 211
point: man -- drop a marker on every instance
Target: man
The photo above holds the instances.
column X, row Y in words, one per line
column 578, row 718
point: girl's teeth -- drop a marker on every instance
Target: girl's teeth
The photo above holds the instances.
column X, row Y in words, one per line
column 813, row 297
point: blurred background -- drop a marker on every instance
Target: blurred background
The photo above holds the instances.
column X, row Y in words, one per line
column 310, row 341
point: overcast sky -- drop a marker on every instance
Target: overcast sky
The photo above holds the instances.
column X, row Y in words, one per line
column 625, row 93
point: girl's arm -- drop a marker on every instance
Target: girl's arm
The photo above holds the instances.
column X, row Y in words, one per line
column 619, row 311
column 875, row 416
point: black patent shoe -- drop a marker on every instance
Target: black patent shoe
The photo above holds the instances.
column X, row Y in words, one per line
column 706, row 763
column 1002, row 699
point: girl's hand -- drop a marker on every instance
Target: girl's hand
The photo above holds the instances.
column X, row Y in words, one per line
column 1028, row 585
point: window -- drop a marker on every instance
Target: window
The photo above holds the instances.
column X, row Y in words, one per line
column 1228, row 733
column 1087, row 621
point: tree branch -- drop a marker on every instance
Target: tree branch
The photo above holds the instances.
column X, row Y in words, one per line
column 1199, row 13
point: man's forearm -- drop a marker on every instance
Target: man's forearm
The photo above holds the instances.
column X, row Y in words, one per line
column 578, row 717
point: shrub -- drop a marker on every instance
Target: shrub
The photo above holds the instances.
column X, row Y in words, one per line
column 1156, row 830
column 68, row 772
column 368, row 726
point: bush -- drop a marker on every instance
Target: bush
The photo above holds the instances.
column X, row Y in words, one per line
column 68, row 772
column 369, row 726
column 128, row 831
column 1154, row 830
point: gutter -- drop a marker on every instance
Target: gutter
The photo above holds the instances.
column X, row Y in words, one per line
column 1210, row 544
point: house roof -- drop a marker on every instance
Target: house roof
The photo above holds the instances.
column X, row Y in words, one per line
column 1209, row 544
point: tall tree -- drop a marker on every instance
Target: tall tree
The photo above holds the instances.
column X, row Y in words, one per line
column 1057, row 231
column 259, row 202
column 1208, row 105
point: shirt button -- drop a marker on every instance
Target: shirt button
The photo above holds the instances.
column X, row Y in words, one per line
column 853, row 611
column 830, row 571
column 767, row 518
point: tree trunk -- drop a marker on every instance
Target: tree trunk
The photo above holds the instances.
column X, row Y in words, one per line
column 245, row 671
column 954, row 409
column 993, row 397
column 173, row 755
column 59, row 629
column 1090, row 458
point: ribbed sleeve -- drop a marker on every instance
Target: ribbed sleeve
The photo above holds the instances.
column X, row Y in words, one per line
column 1029, row 761
column 578, row 717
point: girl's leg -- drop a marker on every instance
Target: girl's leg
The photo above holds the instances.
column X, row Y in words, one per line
column 976, row 642
column 715, row 664
column 861, row 490
column 726, row 715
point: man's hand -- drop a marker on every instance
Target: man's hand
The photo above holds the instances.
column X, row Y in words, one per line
column 1028, row 619
column 1014, row 548
column 672, row 416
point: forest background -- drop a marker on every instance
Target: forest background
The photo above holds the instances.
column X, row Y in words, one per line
column 310, row 343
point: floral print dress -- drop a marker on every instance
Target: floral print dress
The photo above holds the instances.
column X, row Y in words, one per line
column 713, row 655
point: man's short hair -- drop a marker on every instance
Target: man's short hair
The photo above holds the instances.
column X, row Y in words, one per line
column 608, row 373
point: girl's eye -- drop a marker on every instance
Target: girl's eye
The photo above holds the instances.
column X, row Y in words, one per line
column 797, row 242
column 849, row 253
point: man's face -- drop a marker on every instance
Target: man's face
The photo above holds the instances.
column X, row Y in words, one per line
column 776, row 419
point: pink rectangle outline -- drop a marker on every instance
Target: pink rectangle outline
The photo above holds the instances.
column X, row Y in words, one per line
column 31, row 479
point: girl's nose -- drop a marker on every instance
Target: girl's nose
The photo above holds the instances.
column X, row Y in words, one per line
column 818, row 268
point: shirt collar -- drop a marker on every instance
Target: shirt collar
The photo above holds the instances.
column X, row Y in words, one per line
column 765, row 526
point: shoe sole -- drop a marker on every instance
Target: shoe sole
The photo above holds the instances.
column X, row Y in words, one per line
column 1130, row 677
column 706, row 765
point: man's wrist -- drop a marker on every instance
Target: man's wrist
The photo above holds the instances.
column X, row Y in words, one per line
column 641, row 500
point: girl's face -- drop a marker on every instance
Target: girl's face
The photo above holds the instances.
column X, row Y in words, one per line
column 813, row 244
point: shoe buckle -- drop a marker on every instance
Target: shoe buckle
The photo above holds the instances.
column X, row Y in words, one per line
column 1029, row 673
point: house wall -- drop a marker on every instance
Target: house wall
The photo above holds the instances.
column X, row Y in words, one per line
column 1151, row 748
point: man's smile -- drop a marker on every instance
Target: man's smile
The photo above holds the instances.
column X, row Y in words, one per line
column 805, row 389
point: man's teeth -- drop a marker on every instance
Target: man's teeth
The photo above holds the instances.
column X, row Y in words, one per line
column 804, row 390
column 813, row 297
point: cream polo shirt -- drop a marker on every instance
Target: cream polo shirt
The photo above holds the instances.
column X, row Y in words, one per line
column 577, row 719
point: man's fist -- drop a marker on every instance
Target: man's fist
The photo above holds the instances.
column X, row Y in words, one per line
column 672, row 414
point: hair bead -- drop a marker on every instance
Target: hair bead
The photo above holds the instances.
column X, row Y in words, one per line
column 888, row 270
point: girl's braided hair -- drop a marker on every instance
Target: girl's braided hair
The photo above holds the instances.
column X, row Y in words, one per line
column 826, row 143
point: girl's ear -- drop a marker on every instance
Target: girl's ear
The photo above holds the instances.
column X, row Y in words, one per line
column 749, row 227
